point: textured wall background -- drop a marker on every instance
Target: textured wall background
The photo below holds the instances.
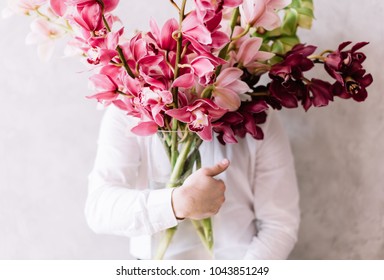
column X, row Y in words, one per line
column 48, row 132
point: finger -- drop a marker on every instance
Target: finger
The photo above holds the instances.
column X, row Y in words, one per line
column 217, row 168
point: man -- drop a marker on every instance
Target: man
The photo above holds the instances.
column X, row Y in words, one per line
column 249, row 189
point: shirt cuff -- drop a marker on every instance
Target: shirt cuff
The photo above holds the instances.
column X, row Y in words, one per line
column 160, row 209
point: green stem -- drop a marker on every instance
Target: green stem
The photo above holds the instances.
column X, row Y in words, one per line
column 67, row 27
column 176, row 174
column 175, row 90
column 325, row 52
column 119, row 51
column 245, row 32
column 179, row 50
column 233, row 22
column 207, row 92
column 175, row 5
column 204, row 230
column 317, row 57
column 178, row 168
column 224, row 51
column 164, row 244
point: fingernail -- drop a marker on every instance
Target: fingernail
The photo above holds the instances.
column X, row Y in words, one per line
column 225, row 161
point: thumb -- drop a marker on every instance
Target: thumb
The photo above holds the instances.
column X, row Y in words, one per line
column 217, row 168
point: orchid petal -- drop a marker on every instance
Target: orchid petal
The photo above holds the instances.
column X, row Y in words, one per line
column 184, row 81
column 227, row 99
column 58, row 6
column 269, row 20
column 228, row 75
column 180, row 114
column 145, row 128
column 238, row 86
column 206, row 133
column 279, row 4
column 248, row 50
column 103, row 96
column 102, row 81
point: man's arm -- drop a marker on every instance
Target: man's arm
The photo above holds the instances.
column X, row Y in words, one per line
column 116, row 202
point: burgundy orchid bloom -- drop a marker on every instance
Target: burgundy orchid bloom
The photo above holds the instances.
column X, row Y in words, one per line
column 346, row 67
column 243, row 121
column 287, row 86
column 199, row 116
column 321, row 93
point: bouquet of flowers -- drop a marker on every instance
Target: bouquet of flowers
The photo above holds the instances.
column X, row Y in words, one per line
column 199, row 76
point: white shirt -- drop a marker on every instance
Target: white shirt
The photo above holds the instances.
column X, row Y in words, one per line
column 258, row 220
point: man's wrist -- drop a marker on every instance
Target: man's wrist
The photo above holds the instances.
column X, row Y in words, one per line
column 175, row 198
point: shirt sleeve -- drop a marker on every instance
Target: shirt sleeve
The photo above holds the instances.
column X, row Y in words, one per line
column 116, row 204
column 276, row 201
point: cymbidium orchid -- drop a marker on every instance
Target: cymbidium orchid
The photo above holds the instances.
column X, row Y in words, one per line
column 199, row 116
column 44, row 34
column 346, row 67
column 60, row 6
column 262, row 13
column 200, row 76
column 22, row 7
column 228, row 89
column 250, row 57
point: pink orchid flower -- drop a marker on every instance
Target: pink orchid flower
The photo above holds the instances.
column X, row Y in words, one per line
column 193, row 28
column 145, row 59
column 207, row 9
column 145, row 102
column 156, row 101
column 43, row 33
column 203, row 36
column 60, row 6
column 108, row 83
column 250, row 56
column 164, row 37
column 201, row 70
column 199, row 116
column 101, row 50
column 228, row 89
column 89, row 17
column 22, row 6
column 262, row 13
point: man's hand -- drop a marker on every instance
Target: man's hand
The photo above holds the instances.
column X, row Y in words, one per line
column 201, row 195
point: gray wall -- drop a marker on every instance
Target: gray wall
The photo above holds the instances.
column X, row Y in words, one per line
column 48, row 132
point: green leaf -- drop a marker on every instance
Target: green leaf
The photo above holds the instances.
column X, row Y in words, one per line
column 305, row 22
column 275, row 59
column 290, row 22
column 295, row 4
column 273, row 33
column 290, row 40
column 277, row 47
column 306, row 12
column 307, row 4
